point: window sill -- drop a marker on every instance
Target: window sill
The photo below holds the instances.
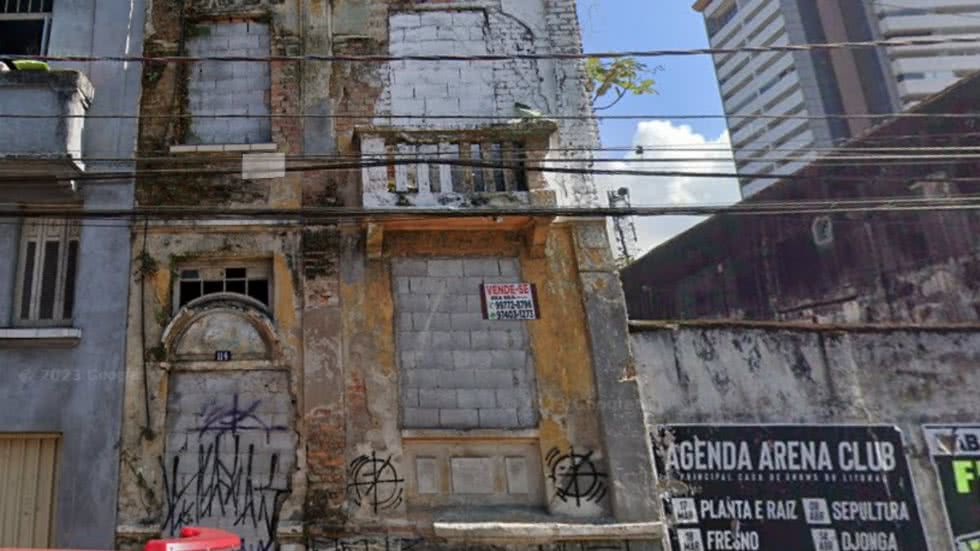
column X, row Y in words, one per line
column 40, row 337
column 225, row 148
column 475, row 434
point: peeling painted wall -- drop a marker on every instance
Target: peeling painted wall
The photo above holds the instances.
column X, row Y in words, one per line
column 334, row 330
column 493, row 89
column 183, row 407
column 732, row 373
column 373, row 373
column 77, row 391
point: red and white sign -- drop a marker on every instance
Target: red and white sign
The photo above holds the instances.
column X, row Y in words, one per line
column 509, row 301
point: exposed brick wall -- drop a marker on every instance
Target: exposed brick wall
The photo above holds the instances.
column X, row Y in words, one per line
column 238, row 87
column 492, row 88
column 457, row 369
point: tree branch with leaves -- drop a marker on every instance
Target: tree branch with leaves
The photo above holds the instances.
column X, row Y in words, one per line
column 618, row 78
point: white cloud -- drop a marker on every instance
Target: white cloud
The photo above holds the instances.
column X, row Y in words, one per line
column 710, row 155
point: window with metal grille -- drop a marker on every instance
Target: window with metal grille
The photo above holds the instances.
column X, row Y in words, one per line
column 250, row 279
column 25, row 27
column 46, row 278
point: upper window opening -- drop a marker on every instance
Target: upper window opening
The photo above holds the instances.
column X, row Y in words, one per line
column 46, row 275
column 238, row 88
column 24, row 27
column 249, row 279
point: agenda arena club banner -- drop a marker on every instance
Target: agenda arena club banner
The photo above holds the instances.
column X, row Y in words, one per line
column 787, row 487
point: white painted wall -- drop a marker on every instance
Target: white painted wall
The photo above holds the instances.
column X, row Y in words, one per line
column 472, row 88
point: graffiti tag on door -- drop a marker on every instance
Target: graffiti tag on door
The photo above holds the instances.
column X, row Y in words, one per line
column 228, row 472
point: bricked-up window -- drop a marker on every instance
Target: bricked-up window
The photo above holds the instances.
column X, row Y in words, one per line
column 48, row 263
column 461, row 178
column 239, row 88
column 458, row 370
column 198, row 280
column 24, row 27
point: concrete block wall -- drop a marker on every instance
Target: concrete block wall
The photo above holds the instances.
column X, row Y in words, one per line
column 458, row 370
column 239, row 87
column 445, row 88
column 471, row 88
column 228, row 434
column 744, row 372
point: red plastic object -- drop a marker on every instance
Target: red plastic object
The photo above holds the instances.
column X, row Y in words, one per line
column 197, row 539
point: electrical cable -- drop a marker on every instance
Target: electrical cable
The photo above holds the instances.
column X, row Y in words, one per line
column 307, row 214
column 639, row 149
column 901, row 42
column 653, row 116
column 409, row 158
column 144, row 173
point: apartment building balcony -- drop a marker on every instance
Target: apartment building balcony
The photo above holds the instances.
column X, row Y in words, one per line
column 45, row 152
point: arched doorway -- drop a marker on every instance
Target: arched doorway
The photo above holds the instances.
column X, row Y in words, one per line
column 230, row 442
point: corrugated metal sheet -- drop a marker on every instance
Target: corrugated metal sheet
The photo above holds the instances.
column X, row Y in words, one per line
column 27, row 480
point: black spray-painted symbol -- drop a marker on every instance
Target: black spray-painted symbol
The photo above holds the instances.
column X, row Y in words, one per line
column 233, row 419
column 224, row 473
column 375, row 481
column 575, row 476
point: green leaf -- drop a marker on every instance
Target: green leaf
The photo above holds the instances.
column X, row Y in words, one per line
column 621, row 76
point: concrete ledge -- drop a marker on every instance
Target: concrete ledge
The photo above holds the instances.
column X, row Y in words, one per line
column 40, row 337
column 225, row 148
column 534, row 532
column 472, row 434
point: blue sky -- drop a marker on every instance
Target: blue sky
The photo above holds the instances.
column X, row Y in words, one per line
column 685, row 85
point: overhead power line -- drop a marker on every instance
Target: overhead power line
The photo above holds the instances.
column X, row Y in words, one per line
column 123, row 222
column 844, row 158
column 694, row 147
column 899, row 42
column 143, row 173
column 654, row 116
column 310, row 214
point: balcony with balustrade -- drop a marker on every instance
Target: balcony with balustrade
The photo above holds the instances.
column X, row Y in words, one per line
column 488, row 168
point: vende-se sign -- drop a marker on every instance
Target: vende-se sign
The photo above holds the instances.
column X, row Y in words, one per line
column 509, row 301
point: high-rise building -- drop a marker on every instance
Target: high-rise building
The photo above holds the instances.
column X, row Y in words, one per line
column 796, row 93
column 920, row 71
